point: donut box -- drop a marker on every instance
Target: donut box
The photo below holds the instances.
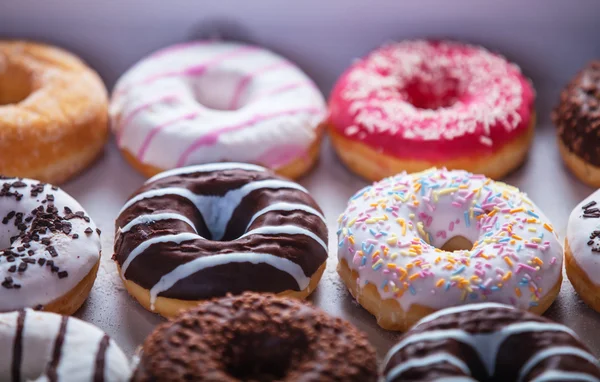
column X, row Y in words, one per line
column 548, row 53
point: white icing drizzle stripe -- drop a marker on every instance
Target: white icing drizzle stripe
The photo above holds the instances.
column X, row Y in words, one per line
column 460, row 309
column 148, row 219
column 210, row 167
column 425, row 361
column 177, row 239
column 559, row 376
column 216, row 210
column 286, row 207
column 557, row 350
column 286, row 230
column 486, row 345
column 196, row 265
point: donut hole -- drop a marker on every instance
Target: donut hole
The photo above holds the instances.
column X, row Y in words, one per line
column 432, row 95
column 263, row 356
column 15, row 84
column 222, row 89
column 457, row 243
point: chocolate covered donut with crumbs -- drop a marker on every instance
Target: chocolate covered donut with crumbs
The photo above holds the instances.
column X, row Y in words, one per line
column 204, row 231
column 256, row 337
column 577, row 117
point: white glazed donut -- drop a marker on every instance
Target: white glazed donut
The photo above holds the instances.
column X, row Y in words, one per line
column 209, row 101
column 41, row 347
column 582, row 250
column 396, row 240
column 51, row 248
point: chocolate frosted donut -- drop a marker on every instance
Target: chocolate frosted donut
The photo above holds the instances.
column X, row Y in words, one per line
column 489, row 342
column 256, row 337
column 577, row 117
column 204, row 231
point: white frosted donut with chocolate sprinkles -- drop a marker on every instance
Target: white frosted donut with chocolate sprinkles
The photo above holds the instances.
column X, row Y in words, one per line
column 582, row 250
column 41, row 346
column 50, row 248
column 199, row 232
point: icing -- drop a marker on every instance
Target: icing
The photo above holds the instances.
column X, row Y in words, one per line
column 391, row 233
column 554, row 351
column 286, row 207
column 217, row 204
column 149, row 219
column 287, row 230
column 215, row 101
column 432, row 100
column 48, row 347
column 53, row 249
column 583, row 235
column 426, row 361
column 188, row 269
column 216, row 211
column 501, row 323
column 559, row 376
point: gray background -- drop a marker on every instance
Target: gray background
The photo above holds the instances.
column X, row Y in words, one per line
column 549, row 39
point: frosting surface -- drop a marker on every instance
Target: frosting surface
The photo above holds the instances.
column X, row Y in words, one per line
column 208, row 230
column 432, row 100
column 489, row 341
column 391, row 234
column 48, row 242
column 40, row 346
column 212, row 101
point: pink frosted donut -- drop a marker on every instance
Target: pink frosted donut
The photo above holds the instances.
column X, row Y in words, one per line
column 209, row 101
column 412, row 105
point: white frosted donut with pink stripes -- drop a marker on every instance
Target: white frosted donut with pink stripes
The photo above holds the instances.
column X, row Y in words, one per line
column 210, row 101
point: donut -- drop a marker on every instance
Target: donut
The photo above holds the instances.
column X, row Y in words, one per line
column 413, row 105
column 415, row 243
column 51, row 248
column 53, row 112
column 256, row 337
column 577, row 117
column 489, row 342
column 41, row 346
column 582, row 250
column 203, row 231
column 210, row 101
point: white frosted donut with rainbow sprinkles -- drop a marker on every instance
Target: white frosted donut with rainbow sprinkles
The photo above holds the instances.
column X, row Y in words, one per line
column 396, row 242
column 209, row 101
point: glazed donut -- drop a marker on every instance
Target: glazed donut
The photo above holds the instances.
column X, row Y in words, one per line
column 489, row 342
column 415, row 243
column 412, row 105
column 42, row 346
column 256, row 337
column 582, row 250
column 577, row 117
column 52, row 248
column 203, row 231
column 53, row 112
column 209, row 101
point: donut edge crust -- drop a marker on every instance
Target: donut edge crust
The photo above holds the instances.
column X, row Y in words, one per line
column 390, row 315
column 585, row 288
column 293, row 170
column 170, row 307
column 370, row 164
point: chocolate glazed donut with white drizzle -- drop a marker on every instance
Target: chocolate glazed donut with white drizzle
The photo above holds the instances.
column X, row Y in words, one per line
column 489, row 342
column 199, row 232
